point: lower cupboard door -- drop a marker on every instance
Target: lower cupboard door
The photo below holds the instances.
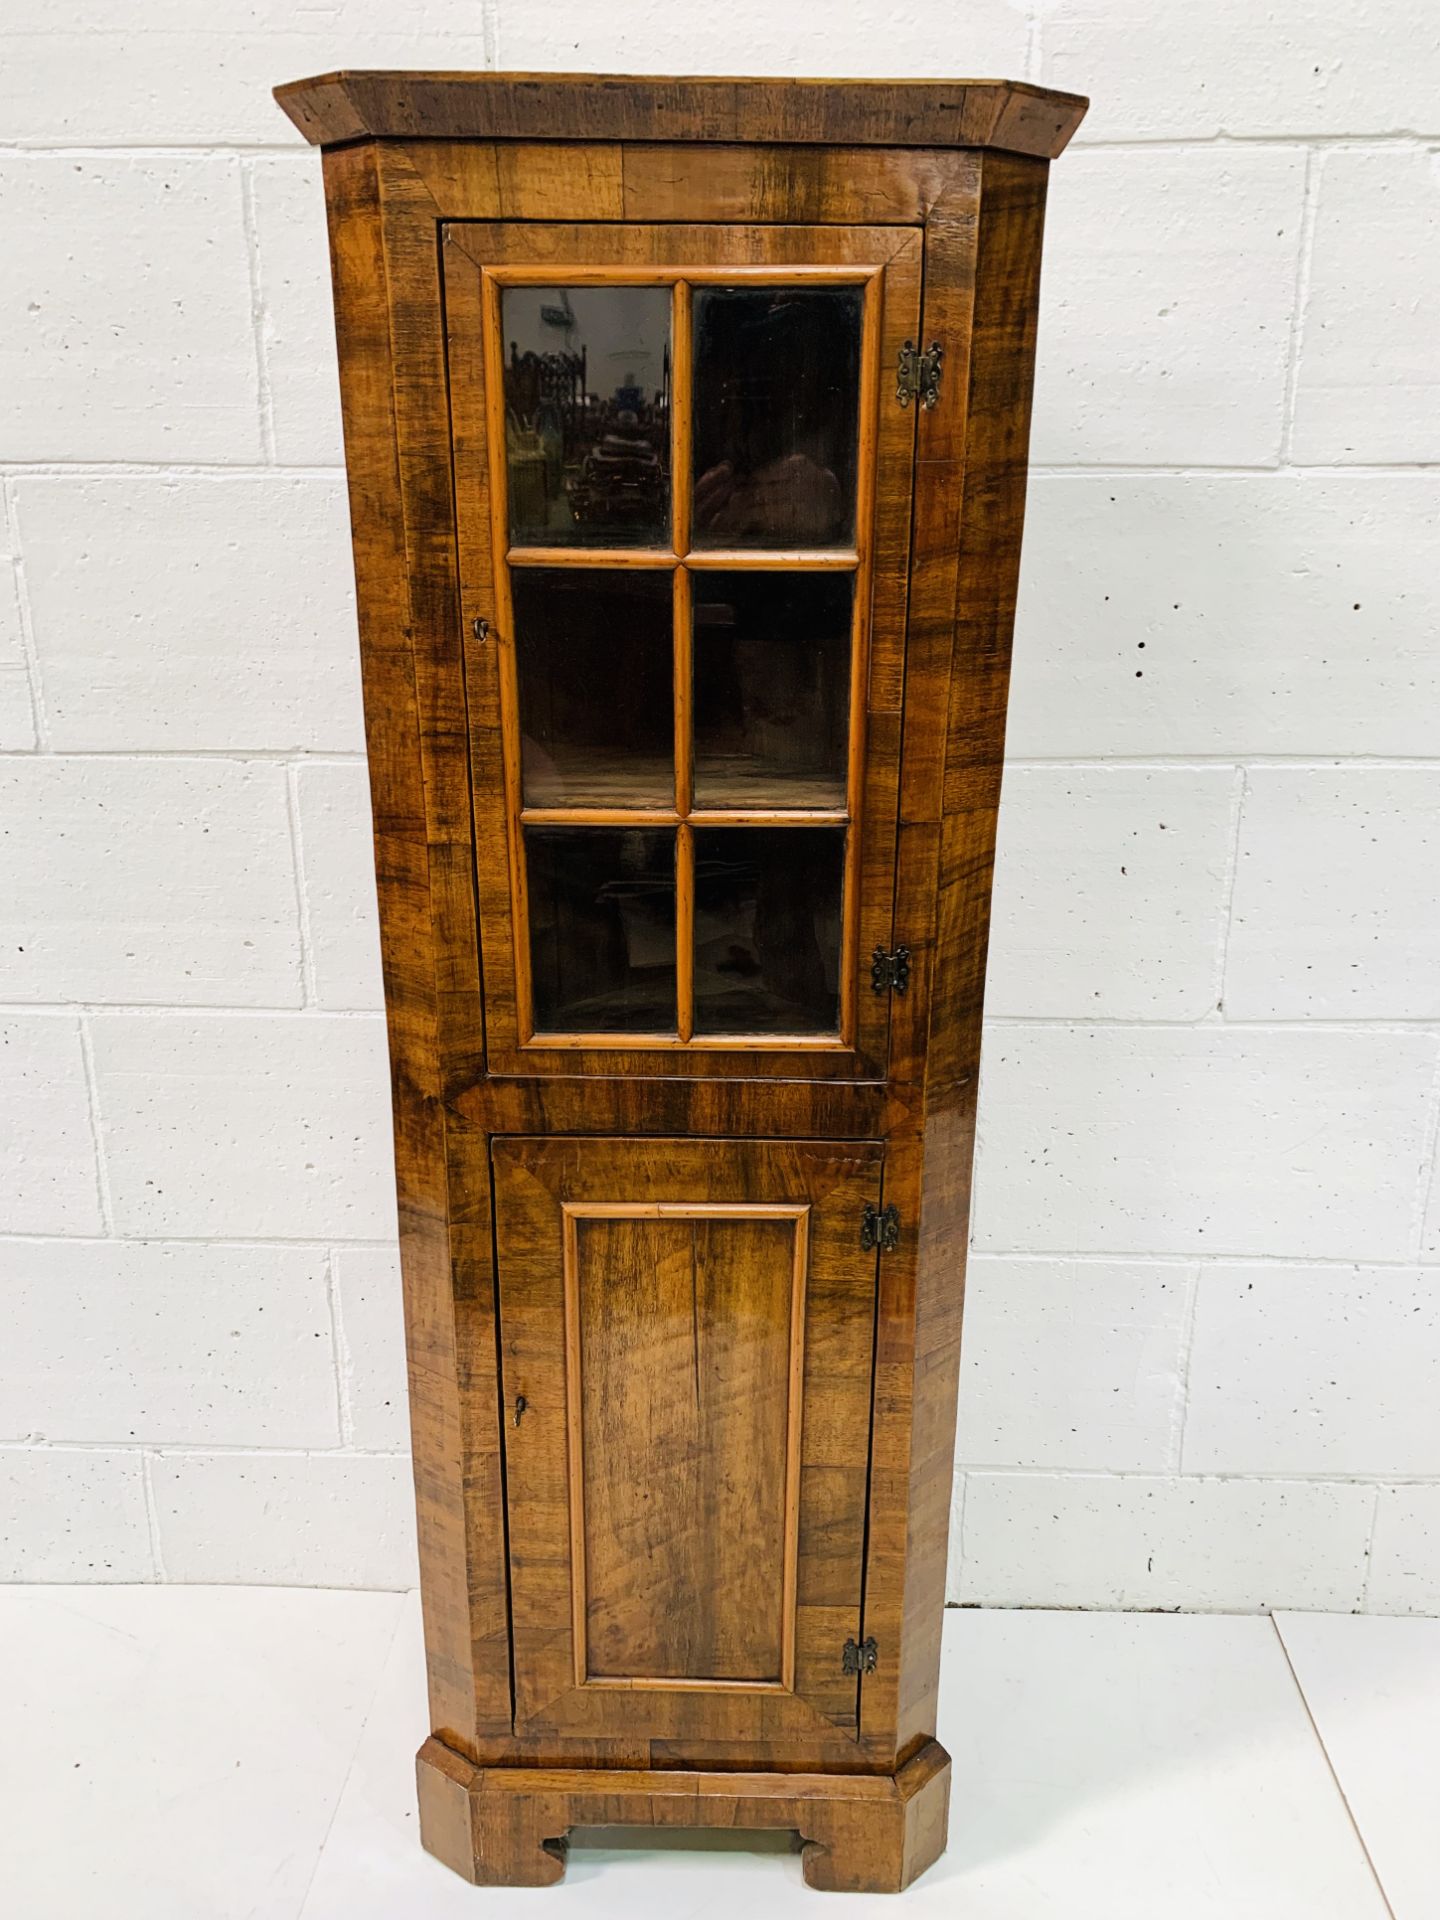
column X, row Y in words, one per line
column 687, row 1334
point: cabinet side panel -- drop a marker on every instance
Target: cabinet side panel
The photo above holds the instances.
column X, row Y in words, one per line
column 951, row 238
column 411, row 236
column 997, row 436
column 982, row 268
column 403, row 871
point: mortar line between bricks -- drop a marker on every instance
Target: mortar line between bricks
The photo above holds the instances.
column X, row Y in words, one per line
column 257, row 313
column 1249, row 1477
column 340, row 1352
column 1187, row 1355
column 1034, row 46
column 1422, row 1024
column 1283, row 1262
column 309, row 978
column 1295, row 345
column 10, row 516
column 152, row 1516
column 182, row 1449
column 1029, row 1256
column 1389, row 138
column 1286, row 1477
column 173, row 1010
column 1228, row 469
column 1227, row 911
column 1392, row 139
column 1200, row 762
column 160, row 1237
column 1129, row 762
column 490, row 30
column 282, row 756
column 1425, row 1184
column 97, row 1130
column 1265, row 1023
column 1380, row 1486
column 298, row 148
column 57, row 467
column 959, row 1490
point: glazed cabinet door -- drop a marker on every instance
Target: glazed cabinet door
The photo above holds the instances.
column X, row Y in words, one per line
column 687, row 1333
column 683, row 478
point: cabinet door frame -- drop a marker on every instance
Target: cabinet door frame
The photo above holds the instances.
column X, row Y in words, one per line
column 544, row 1188
column 480, row 258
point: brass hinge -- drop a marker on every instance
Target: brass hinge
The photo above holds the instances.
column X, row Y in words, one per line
column 879, row 1227
column 890, row 972
column 918, row 374
column 861, row 1659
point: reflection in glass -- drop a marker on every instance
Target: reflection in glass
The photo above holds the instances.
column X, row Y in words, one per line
column 593, row 662
column 587, row 415
column 602, row 929
column 767, row 929
column 777, row 396
column 772, row 688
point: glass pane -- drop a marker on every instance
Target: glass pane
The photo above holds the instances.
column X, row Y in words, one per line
column 777, row 405
column 587, row 415
column 767, row 929
column 772, row 688
column 602, row 928
column 593, row 660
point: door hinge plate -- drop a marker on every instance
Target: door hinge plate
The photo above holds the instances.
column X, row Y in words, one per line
column 879, row 1227
column 861, row 1659
column 890, row 970
column 917, row 374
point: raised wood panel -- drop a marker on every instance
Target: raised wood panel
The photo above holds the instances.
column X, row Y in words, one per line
column 686, row 1338
column 691, row 1334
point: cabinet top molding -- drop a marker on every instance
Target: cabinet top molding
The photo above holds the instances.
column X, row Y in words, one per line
column 1007, row 114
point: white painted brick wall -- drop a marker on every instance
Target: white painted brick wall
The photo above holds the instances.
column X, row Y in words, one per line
column 1203, row 1342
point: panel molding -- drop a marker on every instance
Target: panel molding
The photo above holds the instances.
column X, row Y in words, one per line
column 572, row 1214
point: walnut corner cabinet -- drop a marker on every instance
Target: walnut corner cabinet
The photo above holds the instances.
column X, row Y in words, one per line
column 686, row 425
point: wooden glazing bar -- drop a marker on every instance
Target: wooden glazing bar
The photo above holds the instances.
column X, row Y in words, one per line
column 598, row 816
column 709, row 1042
column 685, row 931
column 684, row 695
column 681, row 416
column 773, row 559
column 494, row 362
column 652, row 557
column 767, row 817
column 697, row 817
column 683, row 719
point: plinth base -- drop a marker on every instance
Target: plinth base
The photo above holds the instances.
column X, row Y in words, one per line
column 507, row 1826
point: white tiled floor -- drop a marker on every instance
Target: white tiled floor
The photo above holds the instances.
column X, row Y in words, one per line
column 197, row 1753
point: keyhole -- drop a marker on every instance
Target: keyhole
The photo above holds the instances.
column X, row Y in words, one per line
column 521, row 1403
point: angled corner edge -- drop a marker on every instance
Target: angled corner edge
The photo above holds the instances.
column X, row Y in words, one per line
column 322, row 108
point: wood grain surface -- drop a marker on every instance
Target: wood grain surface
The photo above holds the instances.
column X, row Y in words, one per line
column 734, row 1450
column 587, row 107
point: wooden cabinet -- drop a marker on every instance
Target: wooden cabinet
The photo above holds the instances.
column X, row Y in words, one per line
column 686, row 426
